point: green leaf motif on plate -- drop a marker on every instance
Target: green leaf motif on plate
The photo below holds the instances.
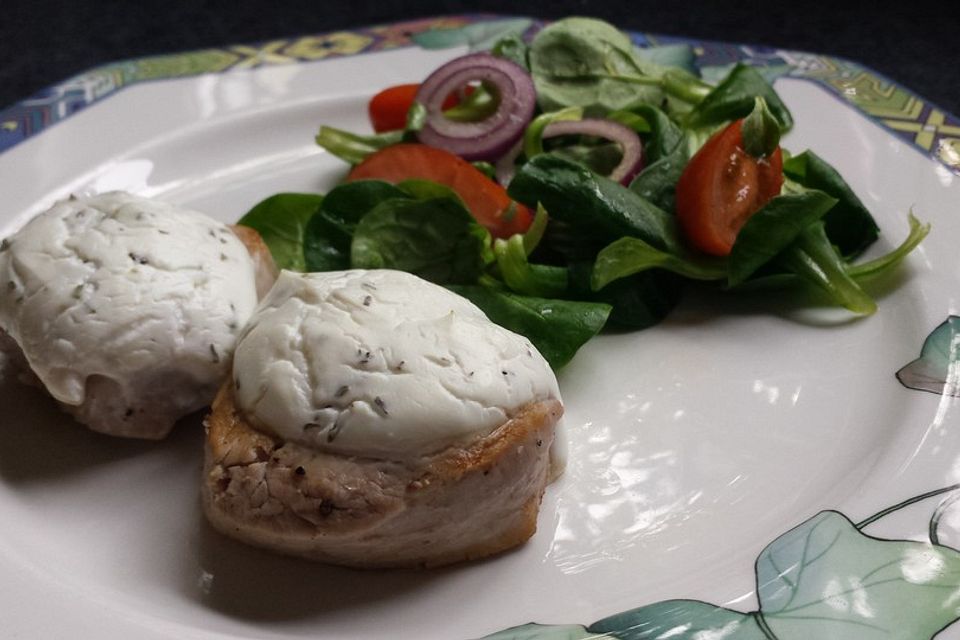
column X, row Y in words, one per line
column 680, row 620
column 477, row 36
column 936, row 370
column 824, row 579
column 545, row 632
column 827, row 579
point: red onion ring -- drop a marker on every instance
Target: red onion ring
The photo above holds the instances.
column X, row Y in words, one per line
column 491, row 137
column 632, row 161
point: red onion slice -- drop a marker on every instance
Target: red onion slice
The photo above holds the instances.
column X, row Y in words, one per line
column 487, row 139
column 632, row 161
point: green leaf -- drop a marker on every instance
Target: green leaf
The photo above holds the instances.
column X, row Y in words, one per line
column 589, row 63
column 771, row 230
column 436, row 239
column 329, row 233
column 681, row 56
column 600, row 158
column 684, row 86
column 478, row 105
column 557, row 328
column 657, row 182
column 525, row 278
column 761, row 132
column 849, row 224
column 638, row 301
column 282, row 220
column 420, row 189
column 697, row 137
column 665, row 135
column 665, row 152
column 416, row 117
column 627, row 256
column 513, row 48
column 936, row 369
column 534, row 234
column 715, row 74
column 827, row 579
column 353, row 148
column 629, row 119
column 813, row 258
column 886, row 262
column 682, row 620
column 865, row 270
column 533, row 135
column 734, row 98
column 478, row 35
column 485, row 168
column 574, row 194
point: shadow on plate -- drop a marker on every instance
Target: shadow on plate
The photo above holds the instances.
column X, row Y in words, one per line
column 39, row 442
column 261, row 587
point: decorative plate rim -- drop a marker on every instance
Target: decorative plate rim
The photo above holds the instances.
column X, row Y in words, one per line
column 929, row 373
column 901, row 111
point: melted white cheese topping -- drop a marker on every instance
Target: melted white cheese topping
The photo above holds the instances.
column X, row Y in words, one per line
column 381, row 364
column 116, row 285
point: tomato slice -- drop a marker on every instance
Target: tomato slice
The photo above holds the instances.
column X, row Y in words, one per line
column 721, row 187
column 487, row 200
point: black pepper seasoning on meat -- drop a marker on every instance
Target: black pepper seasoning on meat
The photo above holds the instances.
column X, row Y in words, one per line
column 378, row 401
column 138, row 258
column 213, row 352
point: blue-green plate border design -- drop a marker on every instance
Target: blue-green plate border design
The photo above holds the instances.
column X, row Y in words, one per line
column 903, row 113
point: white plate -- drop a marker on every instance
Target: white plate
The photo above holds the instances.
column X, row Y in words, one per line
column 694, row 444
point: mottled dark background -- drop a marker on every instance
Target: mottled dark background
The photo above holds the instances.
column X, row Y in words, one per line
column 44, row 41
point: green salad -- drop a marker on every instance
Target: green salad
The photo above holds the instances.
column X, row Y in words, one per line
column 571, row 183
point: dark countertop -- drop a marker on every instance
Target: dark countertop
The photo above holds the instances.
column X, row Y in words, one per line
column 45, row 41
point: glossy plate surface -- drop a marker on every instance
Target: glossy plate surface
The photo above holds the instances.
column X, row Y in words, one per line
column 695, row 446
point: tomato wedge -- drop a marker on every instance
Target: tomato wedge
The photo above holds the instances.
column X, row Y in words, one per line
column 388, row 109
column 721, row 187
column 487, row 200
